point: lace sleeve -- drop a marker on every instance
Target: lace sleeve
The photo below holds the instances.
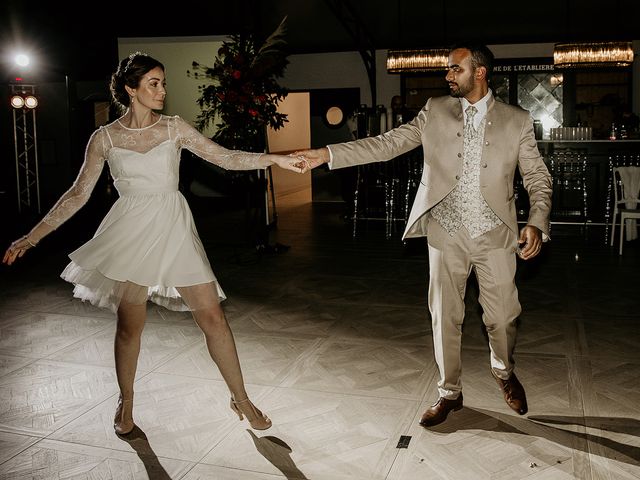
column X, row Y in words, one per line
column 74, row 198
column 191, row 139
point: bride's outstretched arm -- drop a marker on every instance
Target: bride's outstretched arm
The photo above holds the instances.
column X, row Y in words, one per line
column 68, row 204
column 191, row 139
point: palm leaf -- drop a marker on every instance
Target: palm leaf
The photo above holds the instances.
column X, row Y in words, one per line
column 272, row 50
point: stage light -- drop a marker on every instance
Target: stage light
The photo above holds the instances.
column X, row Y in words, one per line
column 21, row 60
column 30, row 101
column 17, row 101
column 24, row 101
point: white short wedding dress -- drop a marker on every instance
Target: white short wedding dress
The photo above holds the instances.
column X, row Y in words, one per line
column 147, row 246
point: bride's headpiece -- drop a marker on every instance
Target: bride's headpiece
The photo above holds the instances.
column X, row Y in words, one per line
column 131, row 57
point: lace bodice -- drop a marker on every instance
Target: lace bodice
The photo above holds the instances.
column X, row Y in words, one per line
column 108, row 143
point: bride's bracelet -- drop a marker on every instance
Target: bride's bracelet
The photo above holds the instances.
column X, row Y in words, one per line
column 26, row 239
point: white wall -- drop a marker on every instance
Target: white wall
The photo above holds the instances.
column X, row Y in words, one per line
column 177, row 55
column 523, row 50
column 341, row 70
column 387, row 84
column 326, row 70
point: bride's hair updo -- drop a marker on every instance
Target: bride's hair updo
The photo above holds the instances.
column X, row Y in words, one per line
column 130, row 70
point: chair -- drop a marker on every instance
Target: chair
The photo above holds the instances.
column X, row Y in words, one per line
column 569, row 169
column 626, row 186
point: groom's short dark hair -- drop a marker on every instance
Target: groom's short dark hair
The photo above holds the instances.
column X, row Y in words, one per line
column 481, row 56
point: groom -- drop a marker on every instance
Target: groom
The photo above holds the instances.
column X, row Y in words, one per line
column 465, row 207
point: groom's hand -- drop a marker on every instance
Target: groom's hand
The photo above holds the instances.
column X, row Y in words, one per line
column 313, row 158
column 529, row 242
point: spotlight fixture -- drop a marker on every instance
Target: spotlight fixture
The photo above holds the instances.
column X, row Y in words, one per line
column 30, row 101
column 26, row 101
column 594, row 54
column 22, row 60
column 434, row 59
column 17, row 101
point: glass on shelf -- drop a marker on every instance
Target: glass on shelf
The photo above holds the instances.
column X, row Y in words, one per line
column 571, row 133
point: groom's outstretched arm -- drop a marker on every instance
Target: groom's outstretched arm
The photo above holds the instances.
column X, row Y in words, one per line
column 365, row 150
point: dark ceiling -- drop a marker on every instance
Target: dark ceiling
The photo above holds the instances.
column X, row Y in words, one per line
column 81, row 39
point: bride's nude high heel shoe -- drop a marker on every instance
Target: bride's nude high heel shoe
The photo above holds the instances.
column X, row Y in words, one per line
column 123, row 421
column 257, row 419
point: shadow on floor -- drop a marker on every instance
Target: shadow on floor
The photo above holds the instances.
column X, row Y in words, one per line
column 494, row 422
column 278, row 453
column 139, row 442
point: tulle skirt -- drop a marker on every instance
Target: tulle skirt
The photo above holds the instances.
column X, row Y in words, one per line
column 146, row 248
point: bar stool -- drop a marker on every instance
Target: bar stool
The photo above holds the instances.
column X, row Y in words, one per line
column 568, row 168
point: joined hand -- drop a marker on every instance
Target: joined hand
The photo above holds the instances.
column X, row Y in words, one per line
column 290, row 162
column 312, row 158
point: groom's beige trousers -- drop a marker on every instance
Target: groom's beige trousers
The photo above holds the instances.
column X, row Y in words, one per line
column 451, row 259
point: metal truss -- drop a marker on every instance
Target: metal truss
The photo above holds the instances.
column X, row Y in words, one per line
column 26, row 152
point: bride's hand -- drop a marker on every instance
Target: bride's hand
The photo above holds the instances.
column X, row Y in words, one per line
column 17, row 249
column 296, row 164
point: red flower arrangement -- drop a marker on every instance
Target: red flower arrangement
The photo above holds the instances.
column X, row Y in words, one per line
column 243, row 93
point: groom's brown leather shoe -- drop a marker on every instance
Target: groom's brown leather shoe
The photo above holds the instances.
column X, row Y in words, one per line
column 513, row 392
column 437, row 413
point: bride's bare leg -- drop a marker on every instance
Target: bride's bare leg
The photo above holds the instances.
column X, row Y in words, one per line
column 131, row 318
column 222, row 348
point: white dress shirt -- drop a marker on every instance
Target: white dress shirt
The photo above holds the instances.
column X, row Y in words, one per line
column 481, row 107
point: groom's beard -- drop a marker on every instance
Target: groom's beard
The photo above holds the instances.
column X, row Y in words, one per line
column 459, row 90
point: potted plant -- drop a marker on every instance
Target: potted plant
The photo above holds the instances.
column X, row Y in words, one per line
column 242, row 93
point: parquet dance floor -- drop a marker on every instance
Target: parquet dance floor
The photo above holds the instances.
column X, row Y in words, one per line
column 335, row 343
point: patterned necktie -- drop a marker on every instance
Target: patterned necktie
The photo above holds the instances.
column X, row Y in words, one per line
column 469, row 128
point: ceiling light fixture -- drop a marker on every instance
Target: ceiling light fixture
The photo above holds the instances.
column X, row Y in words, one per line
column 594, row 54
column 399, row 61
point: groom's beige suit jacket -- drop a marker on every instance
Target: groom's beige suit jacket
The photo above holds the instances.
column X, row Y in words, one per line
column 509, row 143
